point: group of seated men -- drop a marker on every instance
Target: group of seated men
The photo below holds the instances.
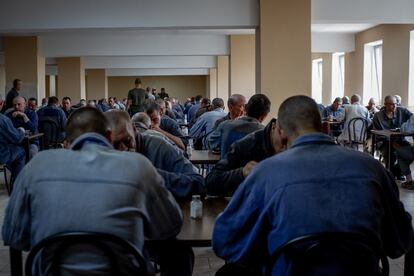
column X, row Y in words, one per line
column 279, row 176
column 391, row 116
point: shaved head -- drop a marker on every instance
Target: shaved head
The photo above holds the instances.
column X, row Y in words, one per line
column 299, row 113
column 84, row 120
column 123, row 134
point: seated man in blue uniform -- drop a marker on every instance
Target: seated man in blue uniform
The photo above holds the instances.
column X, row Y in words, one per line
column 243, row 156
column 11, row 152
column 76, row 189
column 180, row 176
column 314, row 186
column 23, row 117
column 231, row 131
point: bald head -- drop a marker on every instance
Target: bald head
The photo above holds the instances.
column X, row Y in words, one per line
column 19, row 104
column 123, row 134
column 84, row 120
column 299, row 114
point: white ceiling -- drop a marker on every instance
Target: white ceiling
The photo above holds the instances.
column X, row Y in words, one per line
column 340, row 28
column 179, row 34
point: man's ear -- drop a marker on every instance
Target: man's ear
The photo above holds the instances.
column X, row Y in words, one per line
column 108, row 136
column 283, row 136
column 66, row 144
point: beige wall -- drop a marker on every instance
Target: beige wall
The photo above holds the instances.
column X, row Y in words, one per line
column 243, row 65
column 96, row 84
column 3, row 81
column 181, row 87
column 395, row 61
column 71, row 81
column 213, row 83
column 223, row 75
column 23, row 61
column 285, row 49
column 326, row 76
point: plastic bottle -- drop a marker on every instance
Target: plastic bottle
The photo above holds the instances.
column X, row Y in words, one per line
column 196, row 207
column 190, row 147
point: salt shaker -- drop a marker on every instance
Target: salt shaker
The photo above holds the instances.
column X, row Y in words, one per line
column 196, row 207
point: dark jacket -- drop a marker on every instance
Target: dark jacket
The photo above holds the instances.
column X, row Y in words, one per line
column 227, row 174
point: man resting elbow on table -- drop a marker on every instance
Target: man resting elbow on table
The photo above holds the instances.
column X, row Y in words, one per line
column 243, row 156
column 180, row 176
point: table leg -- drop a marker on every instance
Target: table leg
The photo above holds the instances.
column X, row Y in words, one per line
column 373, row 145
column 389, row 154
column 16, row 264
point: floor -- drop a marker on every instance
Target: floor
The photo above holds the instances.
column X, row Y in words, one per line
column 206, row 262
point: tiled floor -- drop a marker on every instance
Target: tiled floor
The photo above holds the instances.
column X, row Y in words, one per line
column 206, row 262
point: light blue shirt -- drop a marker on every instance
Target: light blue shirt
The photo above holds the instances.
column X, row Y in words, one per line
column 205, row 124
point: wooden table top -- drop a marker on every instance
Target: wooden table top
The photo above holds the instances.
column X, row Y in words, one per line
column 198, row 232
column 204, row 157
column 389, row 133
column 32, row 136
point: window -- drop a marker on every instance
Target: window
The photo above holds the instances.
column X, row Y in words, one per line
column 372, row 71
column 338, row 75
column 317, row 80
column 411, row 72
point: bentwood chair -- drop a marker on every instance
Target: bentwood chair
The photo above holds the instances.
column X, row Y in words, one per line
column 331, row 253
column 357, row 133
column 50, row 129
column 61, row 245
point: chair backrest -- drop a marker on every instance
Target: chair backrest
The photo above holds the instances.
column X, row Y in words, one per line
column 357, row 130
column 101, row 241
column 355, row 254
column 50, row 129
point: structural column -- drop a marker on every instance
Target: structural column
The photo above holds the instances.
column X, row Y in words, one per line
column 71, row 79
column 223, row 77
column 213, row 83
column 285, row 50
column 23, row 61
column 243, row 65
column 96, row 84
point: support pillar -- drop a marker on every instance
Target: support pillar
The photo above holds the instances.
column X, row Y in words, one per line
column 71, row 79
column 213, row 83
column 285, row 50
column 223, row 77
column 96, row 84
column 23, row 61
column 243, row 65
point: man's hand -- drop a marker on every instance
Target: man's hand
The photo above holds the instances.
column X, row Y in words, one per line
column 248, row 168
column 20, row 114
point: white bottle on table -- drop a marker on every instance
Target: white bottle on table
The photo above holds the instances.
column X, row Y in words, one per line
column 196, row 207
column 190, row 147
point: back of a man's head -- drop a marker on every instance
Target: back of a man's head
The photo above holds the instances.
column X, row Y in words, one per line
column 84, row 120
column 355, row 99
column 198, row 98
column 53, row 100
column 298, row 114
column 123, row 134
column 217, row 103
column 143, row 118
column 258, row 106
